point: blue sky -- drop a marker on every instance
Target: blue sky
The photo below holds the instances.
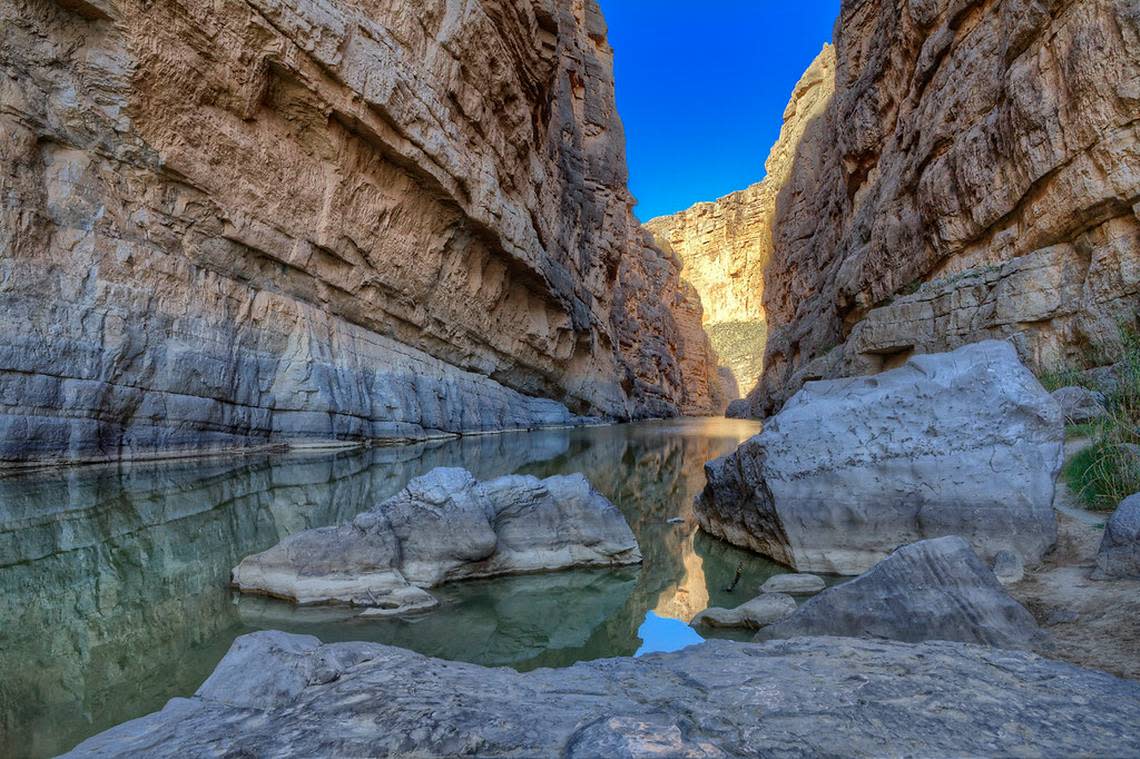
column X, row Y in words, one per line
column 701, row 88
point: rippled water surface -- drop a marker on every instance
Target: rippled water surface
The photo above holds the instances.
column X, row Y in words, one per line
column 113, row 579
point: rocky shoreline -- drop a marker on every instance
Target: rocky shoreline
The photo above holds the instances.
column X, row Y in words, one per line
column 278, row 694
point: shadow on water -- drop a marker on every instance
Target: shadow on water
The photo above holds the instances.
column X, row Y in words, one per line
column 113, row 579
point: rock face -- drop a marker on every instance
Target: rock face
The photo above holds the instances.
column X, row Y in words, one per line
column 251, row 220
column 1119, row 554
column 973, row 176
column 764, row 609
column 443, row 526
column 962, row 443
column 1079, row 404
column 726, row 245
column 931, row 590
column 277, row 694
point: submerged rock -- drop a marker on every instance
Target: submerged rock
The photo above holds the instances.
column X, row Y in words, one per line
column 762, row 610
column 276, row 695
column 931, row 590
column 1079, row 404
column 1119, row 554
column 793, row 583
column 962, row 443
column 444, row 526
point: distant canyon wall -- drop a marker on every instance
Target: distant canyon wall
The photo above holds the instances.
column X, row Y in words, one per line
column 725, row 245
column 253, row 220
column 976, row 174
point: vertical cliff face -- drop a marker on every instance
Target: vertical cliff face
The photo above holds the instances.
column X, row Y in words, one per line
column 725, row 245
column 244, row 220
column 976, row 174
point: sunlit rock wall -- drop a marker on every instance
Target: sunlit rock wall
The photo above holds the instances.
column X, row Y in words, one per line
column 726, row 244
column 244, row 220
column 976, row 174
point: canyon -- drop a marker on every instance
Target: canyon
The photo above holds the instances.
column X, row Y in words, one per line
column 254, row 222
column 949, row 172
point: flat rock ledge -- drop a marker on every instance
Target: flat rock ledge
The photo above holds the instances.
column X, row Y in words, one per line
column 276, row 694
column 931, row 590
column 961, row 443
column 444, row 526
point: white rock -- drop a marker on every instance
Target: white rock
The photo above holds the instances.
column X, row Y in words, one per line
column 962, row 443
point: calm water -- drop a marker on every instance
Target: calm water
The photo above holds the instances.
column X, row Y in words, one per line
column 113, row 580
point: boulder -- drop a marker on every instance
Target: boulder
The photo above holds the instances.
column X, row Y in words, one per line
column 931, row 590
column 1008, row 567
column 444, row 526
column 793, row 583
column 289, row 695
column 1119, row 554
column 1079, row 404
column 962, row 443
column 762, row 610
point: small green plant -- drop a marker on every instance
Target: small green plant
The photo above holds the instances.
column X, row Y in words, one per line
column 1108, row 470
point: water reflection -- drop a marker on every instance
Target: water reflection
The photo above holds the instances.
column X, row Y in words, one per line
column 113, row 580
column 663, row 634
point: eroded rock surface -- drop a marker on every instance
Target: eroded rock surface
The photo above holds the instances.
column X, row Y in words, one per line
column 931, row 590
column 793, row 583
column 277, row 694
column 962, row 443
column 444, row 526
column 725, row 245
column 764, row 609
column 253, row 220
column 1079, row 404
column 975, row 175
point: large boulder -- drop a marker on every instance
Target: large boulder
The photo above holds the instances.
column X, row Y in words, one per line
column 931, row 590
column 444, row 526
column 962, row 443
column 797, row 584
column 1119, row 554
column 289, row 695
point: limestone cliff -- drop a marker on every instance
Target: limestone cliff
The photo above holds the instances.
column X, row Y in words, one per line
column 725, row 245
column 976, row 174
column 238, row 221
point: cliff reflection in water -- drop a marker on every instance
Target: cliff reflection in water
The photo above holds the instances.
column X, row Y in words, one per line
column 113, row 580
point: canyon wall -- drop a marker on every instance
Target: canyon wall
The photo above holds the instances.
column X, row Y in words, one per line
column 976, row 174
column 253, row 220
column 725, row 245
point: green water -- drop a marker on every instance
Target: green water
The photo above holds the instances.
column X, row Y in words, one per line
column 113, row 579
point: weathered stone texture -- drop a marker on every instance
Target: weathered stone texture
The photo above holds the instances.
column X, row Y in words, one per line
column 252, row 219
column 975, row 175
column 277, row 694
column 963, row 443
column 725, row 245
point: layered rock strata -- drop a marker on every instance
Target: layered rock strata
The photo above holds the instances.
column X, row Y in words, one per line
column 234, row 222
column 973, row 176
column 277, row 694
column 725, row 245
column 930, row 590
column 962, row 443
column 443, row 526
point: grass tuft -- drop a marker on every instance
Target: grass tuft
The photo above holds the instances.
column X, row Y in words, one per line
column 1108, row 471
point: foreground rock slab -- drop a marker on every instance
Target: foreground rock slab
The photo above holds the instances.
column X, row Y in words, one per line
column 932, row 590
column 444, row 526
column 762, row 610
column 1119, row 554
column 276, row 694
column 962, row 443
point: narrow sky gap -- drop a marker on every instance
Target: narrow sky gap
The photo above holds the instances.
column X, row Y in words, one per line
column 701, row 88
